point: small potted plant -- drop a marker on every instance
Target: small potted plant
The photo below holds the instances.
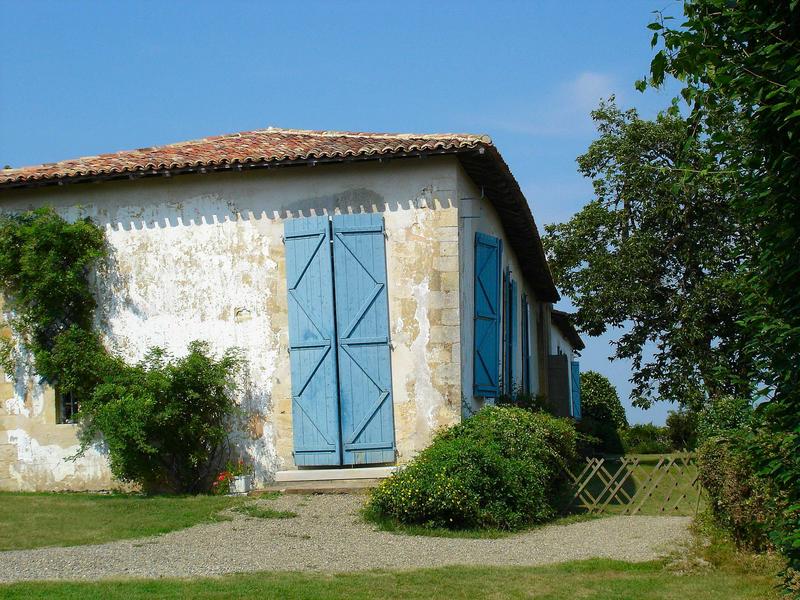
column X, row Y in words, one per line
column 236, row 479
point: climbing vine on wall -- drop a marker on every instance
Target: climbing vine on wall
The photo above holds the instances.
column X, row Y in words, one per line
column 44, row 263
column 163, row 420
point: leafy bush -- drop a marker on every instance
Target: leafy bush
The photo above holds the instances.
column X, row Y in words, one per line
column 502, row 468
column 682, row 429
column 599, row 400
column 722, row 415
column 740, row 501
column 646, row 439
column 602, row 414
column 164, row 420
column 599, row 437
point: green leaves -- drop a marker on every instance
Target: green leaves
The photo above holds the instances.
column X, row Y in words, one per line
column 44, row 261
column 740, row 62
column 165, row 420
column 599, row 400
column 502, row 468
column 652, row 255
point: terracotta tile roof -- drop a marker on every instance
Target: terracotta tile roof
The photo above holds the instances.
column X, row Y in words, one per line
column 260, row 146
column 267, row 147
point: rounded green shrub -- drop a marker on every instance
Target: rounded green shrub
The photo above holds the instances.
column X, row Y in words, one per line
column 603, row 415
column 502, row 468
column 600, row 401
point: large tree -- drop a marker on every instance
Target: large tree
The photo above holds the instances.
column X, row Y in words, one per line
column 740, row 62
column 656, row 254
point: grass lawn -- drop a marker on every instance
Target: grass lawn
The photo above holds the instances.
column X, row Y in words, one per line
column 259, row 512
column 594, row 579
column 34, row 520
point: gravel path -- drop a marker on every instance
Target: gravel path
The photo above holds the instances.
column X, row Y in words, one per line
column 329, row 535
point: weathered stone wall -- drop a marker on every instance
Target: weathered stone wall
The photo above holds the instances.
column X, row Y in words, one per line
column 422, row 257
column 34, row 450
column 201, row 257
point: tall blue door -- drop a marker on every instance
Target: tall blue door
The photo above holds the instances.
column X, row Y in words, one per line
column 339, row 340
column 312, row 342
column 362, row 321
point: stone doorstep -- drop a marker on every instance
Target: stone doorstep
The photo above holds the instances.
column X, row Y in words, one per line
column 326, row 481
column 330, row 486
column 303, row 475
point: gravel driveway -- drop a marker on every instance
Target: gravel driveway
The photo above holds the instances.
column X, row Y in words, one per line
column 328, row 535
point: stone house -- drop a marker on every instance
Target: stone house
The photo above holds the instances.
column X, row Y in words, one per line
column 381, row 286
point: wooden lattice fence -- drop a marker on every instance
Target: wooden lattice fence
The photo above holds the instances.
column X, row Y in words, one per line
column 645, row 484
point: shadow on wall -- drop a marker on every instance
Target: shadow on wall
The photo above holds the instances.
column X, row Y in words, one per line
column 198, row 211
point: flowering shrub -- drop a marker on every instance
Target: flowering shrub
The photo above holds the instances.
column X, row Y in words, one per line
column 222, row 483
column 502, row 468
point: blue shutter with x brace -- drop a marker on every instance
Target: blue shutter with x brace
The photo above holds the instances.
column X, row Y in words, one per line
column 362, row 321
column 575, row 376
column 312, row 338
column 488, row 252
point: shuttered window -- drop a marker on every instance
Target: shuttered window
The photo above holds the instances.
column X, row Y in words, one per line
column 575, row 377
column 312, row 342
column 362, row 321
column 509, row 333
column 486, row 351
column 524, row 313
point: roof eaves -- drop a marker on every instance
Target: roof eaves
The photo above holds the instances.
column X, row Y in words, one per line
column 563, row 320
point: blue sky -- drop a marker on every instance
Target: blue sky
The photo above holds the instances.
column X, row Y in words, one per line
column 81, row 78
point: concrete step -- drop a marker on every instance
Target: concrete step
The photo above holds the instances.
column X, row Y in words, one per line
column 349, row 474
column 330, row 486
column 329, row 481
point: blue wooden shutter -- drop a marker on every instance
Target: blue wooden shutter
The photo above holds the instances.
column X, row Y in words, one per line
column 526, row 344
column 512, row 334
column 315, row 411
column 362, row 320
column 509, row 332
column 575, row 374
column 488, row 251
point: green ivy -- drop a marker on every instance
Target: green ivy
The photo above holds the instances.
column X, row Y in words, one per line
column 44, row 263
column 164, row 420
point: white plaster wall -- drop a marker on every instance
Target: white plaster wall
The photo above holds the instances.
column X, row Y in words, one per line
column 560, row 345
column 477, row 214
column 201, row 257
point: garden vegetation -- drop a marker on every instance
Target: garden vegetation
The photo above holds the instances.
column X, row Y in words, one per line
column 503, row 468
column 164, row 420
column 691, row 247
